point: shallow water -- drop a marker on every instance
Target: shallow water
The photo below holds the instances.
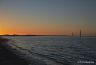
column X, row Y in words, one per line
column 56, row 50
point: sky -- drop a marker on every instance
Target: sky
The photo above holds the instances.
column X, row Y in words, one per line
column 48, row 17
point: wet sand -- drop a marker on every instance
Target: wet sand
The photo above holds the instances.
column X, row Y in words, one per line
column 7, row 57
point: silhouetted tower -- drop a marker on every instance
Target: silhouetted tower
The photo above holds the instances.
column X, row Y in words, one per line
column 72, row 34
column 80, row 33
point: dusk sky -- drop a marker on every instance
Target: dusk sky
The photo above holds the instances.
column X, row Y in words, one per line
column 60, row 17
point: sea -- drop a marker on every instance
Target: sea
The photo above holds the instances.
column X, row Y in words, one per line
column 55, row 50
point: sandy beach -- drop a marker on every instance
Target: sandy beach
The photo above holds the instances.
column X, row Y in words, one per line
column 7, row 57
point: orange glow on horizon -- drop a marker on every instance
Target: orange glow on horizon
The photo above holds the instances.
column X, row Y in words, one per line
column 7, row 26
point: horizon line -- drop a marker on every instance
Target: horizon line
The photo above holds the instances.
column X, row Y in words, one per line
column 42, row 35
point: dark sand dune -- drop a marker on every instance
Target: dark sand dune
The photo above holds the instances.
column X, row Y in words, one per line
column 7, row 57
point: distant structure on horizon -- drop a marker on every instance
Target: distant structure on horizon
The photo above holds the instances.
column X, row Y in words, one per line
column 72, row 34
column 80, row 33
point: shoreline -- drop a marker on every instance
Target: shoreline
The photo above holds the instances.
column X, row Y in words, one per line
column 49, row 35
column 7, row 57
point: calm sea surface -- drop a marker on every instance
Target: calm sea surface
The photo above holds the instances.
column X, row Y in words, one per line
column 56, row 50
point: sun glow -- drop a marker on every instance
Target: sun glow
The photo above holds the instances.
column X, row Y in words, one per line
column 58, row 18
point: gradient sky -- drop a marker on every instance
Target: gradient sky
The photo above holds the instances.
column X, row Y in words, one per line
column 61, row 17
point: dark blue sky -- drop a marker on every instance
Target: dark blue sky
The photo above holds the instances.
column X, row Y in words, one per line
column 65, row 16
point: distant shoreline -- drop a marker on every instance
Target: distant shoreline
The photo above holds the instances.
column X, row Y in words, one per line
column 49, row 35
column 34, row 35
